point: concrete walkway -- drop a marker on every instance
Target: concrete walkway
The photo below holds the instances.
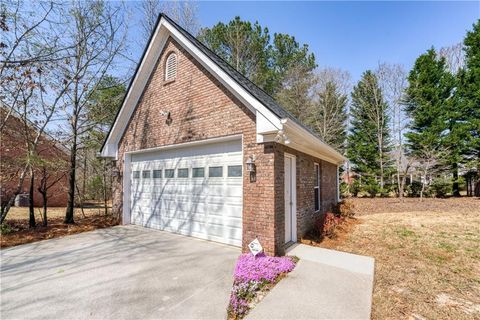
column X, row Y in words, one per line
column 325, row 284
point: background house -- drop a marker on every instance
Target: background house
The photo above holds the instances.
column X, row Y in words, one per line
column 50, row 163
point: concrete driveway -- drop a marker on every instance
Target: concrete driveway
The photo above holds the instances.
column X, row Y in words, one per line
column 124, row 272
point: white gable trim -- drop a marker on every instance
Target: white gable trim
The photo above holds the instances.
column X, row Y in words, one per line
column 159, row 39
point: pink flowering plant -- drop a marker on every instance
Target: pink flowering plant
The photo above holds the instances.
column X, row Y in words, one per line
column 254, row 274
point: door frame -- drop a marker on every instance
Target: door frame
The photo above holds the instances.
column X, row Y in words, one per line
column 293, row 193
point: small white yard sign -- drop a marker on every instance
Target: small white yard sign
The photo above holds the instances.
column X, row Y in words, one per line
column 255, row 247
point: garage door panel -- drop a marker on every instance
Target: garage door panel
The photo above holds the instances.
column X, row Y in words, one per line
column 205, row 207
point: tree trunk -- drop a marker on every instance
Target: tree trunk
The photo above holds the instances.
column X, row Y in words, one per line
column 11, row 201
column 31, row 208
column 456, row 187
column 71, row 182
column 402, row 186
column 44, row 195
column 422, row 190
column 84, row 182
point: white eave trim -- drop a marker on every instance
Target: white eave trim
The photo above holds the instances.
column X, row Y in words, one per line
column 303, row 140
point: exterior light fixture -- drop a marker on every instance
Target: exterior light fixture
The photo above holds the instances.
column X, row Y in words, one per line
column 115, row 172
column 251, row 164
column 167, row 114
column 251, row 168
column 282, row 137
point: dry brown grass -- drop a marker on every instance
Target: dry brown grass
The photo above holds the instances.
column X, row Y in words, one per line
column 18, row 213
column 427, row 263
column 19, row 232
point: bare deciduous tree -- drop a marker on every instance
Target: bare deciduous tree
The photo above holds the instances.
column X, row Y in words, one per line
column 30, row 83
column 393, row 81
column 341, row 78
column 428, row 162
column 328, row 115
column 454, row 57
column 182, row 12
column 97, row 33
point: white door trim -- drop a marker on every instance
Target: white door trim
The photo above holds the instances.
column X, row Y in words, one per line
column 126, row 188
column 293, row 192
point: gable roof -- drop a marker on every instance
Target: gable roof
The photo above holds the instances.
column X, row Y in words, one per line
column 256, row 92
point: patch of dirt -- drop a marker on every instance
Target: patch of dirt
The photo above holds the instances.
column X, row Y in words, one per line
column 365, row 206
column 22, row 234
column 446, row 300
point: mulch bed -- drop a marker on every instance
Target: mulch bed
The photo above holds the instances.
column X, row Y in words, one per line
column 56, row 228
column 366, row 206
column 342, row 232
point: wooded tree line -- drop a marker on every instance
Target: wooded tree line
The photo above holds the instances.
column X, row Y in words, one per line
column 393, row 125
column 64, row 68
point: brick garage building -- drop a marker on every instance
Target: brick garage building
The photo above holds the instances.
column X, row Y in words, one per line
column 202, row 151
column 13, row 151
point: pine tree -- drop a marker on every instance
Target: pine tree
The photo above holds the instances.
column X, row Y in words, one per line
column 468, row 94
column 369, row 138
column 270, row 63
column 436, row 117
column 328, row 116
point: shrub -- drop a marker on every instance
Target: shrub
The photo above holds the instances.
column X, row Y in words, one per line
column 345, row 209
column 6, row 229
column 372, row 188
column 345, row 189
column 388, row 190
column 355, row 188
column 330, row 223
column 414, row 188
column 440, row 187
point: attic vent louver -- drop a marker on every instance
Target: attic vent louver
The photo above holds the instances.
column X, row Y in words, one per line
column 171, row 67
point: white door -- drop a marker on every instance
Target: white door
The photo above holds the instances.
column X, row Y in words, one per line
column 195, row 191
column 290, row 199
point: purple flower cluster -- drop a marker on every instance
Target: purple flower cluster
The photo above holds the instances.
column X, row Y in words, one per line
column 251, row 274
column 261, row 267
column 242, row 293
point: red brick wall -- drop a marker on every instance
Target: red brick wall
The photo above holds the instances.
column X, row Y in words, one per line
column 13, row 153
column 305, row 180
column 202, row 108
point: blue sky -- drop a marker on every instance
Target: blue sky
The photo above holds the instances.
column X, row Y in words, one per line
column 355, row 36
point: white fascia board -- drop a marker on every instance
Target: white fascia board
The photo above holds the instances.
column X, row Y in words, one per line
column 303, row 140
column 152, row 54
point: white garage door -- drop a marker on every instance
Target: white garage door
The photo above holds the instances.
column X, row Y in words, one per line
column 195, row 191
